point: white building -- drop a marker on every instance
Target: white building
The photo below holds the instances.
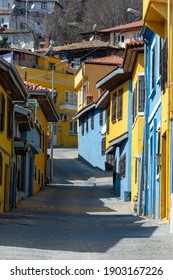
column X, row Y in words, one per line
column 31, row 14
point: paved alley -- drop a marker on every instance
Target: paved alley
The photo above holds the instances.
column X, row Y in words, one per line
column 77, row 216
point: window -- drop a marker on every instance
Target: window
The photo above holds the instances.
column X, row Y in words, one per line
column 40, row 134
column 73, row 127
column 1, row 164
column 153, row 68
column 92, row 120
column 119, row 38
column 44, row 5
column 107, row 121
column 70, row 98
column 85, row 88
column 42, row 180
column 87, row 123
column 136, row 35
column 101, row 117
column 1, row 21
column 158, row 151
column 120, row 104
column 43, row 141
column 2, row 112
column 9, row 119
column 163, row 64
column 82, row 126
column 30, row 5
column 136, row 170
column 76, row 62
column 103, row 146
column 114, row 105
column 134, row 109
column 122, row 167
column 141, row 93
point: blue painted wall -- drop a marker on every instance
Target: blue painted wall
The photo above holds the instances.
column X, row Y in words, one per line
column 122, row 187
column 89, row 144
column 153, row 115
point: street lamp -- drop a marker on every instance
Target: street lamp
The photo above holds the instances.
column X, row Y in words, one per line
column 134, row 12
column 51, row 147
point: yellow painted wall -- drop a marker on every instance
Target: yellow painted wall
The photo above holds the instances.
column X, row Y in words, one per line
column 137, row 129
column 120, row 126
column 41, row 158
column 5, row 150
column 93, row 73
column 62, row 82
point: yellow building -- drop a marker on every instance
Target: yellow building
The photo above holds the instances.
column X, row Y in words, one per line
column 45, row 114
column 134, row 63
column 12, row 91
column 117, row 101
column 157, row 16
column 52, row 73
column 89, row 73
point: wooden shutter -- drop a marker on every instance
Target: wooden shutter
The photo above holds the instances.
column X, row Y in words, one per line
column 114, row 107
column 141, row 94
column 120, row 104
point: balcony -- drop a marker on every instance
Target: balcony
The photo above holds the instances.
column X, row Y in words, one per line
column 68, row 106
column 155, row 15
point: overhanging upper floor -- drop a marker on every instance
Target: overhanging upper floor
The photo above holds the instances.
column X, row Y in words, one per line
column 155, row 15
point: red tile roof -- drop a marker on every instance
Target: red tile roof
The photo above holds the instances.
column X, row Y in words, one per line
column 37, row 87
column 124, row 27
column 136, row 43
column 81, row 45
column 113, row 59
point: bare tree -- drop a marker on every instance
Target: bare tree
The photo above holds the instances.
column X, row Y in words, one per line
column 81, row 15
column 110, row 13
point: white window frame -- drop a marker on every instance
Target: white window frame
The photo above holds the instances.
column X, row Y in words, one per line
column 70, row 97
column 73, row 127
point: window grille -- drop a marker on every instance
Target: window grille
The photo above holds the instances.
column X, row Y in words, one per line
column 122, row 167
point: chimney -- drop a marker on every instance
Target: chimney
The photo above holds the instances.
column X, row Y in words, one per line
column 47, row 42
column 100, row 92
column 89, row 99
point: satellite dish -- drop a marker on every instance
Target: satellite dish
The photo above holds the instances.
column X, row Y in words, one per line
column 23, row 46
column 92, row 38
column 32, row 6
column 94, row 26
column 32, row 50
column 13, row 7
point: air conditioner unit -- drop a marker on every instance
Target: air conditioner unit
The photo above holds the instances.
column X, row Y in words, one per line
column 64, row 117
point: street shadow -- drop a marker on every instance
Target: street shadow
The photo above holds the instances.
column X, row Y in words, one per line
column 72, row 219
column 79, row 171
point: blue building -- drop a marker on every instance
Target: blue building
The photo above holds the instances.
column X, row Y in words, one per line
column 152, row 124
column 91, row 136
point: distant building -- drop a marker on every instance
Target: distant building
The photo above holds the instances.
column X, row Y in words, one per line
column 118, row 35
column 37, row 68
column 19, row 39
column 31, row 14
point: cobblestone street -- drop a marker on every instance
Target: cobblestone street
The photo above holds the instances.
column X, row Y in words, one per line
column 78, row 217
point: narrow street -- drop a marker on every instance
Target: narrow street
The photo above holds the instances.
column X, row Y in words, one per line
column 78, row 217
